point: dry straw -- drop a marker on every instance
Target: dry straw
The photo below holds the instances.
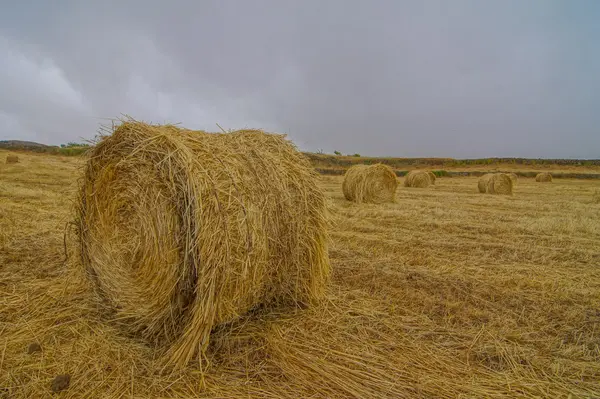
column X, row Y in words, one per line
column 370, row 183
column 418, row 178
column 431, row 177
column 495, row 183
column 12, row 159
column 181, row 231
column 513, row 177
column 543, row 177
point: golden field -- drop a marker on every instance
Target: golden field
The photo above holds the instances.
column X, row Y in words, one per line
column 446, row 293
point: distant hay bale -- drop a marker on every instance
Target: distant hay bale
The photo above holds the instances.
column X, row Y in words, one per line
column 483, row 182
column 431, row 177
column 408, row 177
column 418, row 178
column 500, row 183
column 495, row 183
column 543, row 177
column 181, row 231
column 370, row 183
column 12, row 159
column 513, row 177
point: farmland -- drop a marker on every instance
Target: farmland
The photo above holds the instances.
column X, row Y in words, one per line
column 444, row 293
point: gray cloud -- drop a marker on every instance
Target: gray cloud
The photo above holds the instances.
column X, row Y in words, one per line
column 402, row 78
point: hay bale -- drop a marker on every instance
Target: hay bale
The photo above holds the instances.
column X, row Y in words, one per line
column 500, row 183
column 408, row 177
column 181, row 231
column 12, row 159
column 495, row 183
column 482, row 184
column 513, row 177
column 432, row 177
column 543, row 177
column 417, row 178
column 370, row 183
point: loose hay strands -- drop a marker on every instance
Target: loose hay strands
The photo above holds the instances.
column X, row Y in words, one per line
column 513, row 177
column 495, row 183
column 543, row 177
column 181, row 230
column 370, row 184
column 12, row 159
column 418, row 178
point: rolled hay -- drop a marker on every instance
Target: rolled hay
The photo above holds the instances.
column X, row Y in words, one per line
column 482, row 184
column 418, row 178
column 500, row 183
column 495, row 183
column 432, row 177
column 543, row 177
column 181, row 231
column 12, row 159
column 370, row 184
column 408, row 177
column 513, row 177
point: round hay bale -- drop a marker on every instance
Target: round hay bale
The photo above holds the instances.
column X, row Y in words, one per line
column 12, row 159
column 420, row 179
column 543, row 177
column 500, row 183
column 482, row 184
column 370, row 183
column 408, row 177
column 432, row 177
column 181, row 231
column 513, row 177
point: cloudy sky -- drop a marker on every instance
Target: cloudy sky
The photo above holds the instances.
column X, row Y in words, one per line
column 391, row 78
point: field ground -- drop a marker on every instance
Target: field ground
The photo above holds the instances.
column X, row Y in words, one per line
column 446, row 293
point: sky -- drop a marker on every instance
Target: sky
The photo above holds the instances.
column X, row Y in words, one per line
column 422, row 78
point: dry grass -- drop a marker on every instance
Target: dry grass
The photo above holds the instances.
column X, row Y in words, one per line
column 12, row 158
column 543, row 177
column 513, row 177
column 444, row 294
column 182, row 231
column 370, row 184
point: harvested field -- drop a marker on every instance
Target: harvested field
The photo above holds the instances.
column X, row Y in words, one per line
column 445, row 293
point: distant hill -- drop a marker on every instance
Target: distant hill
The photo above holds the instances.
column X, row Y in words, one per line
column 23, row 145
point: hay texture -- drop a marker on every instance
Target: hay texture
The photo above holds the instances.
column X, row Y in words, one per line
column 543, row 177
column 12, row 159
column 495, row 183
column 513, row 177
column 370, row 184
column 432, row 177
column 418, row 178
column 181, row 231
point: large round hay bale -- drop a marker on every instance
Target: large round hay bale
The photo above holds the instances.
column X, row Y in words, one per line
column 370, row 183
column 181, row 231
column 543, row 177
column 12, row 159
column 513, row 177
column 500, row 183
column 431, row 177
column 482, row 184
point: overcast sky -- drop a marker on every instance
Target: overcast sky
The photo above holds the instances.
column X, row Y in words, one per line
column 420, row 78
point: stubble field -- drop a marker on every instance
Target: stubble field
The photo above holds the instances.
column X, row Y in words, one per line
column 446, row 293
